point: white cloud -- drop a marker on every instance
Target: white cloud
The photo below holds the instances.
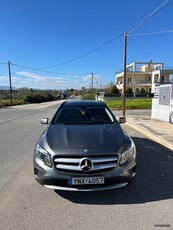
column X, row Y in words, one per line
column 87, row 78
column 33, row 80
column 95, row 77
column 3, row 78
column 38, row 81
column 37, row 77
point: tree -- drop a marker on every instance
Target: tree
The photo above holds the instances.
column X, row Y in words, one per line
column 142, row 91
column 24, row 90
column 109, row 87
column 129, row 91
column 114, row 90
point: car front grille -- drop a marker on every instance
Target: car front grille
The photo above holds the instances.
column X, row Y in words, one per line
column 73, row 164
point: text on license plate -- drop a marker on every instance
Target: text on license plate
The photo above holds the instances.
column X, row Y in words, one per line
column 85, row 180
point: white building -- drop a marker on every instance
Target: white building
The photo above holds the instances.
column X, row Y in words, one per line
column 143, row 75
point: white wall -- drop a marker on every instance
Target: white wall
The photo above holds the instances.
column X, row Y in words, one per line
column 160, row 112
column 162, row 104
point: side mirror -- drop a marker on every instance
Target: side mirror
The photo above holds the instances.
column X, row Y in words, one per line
column 121, row 119
column 45, row 121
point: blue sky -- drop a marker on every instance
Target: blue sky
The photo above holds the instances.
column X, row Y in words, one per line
column 43, row 33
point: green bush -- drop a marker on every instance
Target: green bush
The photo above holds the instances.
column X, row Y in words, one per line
column 129, row 91
column 131, row 104
column 142, row 91
column 27, row 97
column 37, row 97
column 88, row 96
column 7, row 102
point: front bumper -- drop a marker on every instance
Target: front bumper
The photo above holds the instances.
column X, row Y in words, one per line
column 87, row 189
column 115, row 178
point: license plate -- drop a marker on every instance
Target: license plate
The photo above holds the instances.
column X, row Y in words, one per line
column 85, row 180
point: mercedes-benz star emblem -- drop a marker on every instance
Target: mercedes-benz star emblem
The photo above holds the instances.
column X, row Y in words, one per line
column 86, row 164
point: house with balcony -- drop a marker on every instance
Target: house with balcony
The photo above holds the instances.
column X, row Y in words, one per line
column 143, row 75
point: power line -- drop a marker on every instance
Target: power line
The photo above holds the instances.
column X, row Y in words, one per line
column 45, row 71
column 158, row 9
column 74, row 59
column 151, row 33
column 85, row 54
column 163, row 7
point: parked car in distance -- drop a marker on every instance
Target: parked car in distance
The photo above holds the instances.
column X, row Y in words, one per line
column 84, row 148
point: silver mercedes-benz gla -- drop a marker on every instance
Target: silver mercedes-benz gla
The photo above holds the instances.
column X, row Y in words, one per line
column 84, row 148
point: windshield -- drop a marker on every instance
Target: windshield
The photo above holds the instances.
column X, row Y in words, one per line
column 83, row 115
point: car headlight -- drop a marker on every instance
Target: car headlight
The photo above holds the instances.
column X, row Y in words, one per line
column 43, row 155
column 127, row 153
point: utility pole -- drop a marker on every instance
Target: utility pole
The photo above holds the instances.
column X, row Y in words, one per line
column 9, row 74
column 92, row 84
column 124, row 83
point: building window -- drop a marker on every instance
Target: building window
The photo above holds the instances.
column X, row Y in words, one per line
column 156, row 78
column 129, row 81
column 158, row 67
column 137, row 90
column 162, row 79
column 149, row 78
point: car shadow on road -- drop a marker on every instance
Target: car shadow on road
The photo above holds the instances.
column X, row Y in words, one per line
column 153, row 181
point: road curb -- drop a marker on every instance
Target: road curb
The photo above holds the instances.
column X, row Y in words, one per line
column 151, row 136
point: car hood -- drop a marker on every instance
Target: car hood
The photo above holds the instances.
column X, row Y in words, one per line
column 83, row 136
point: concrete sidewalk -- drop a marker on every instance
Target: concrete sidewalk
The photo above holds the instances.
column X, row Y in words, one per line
column 157, row 130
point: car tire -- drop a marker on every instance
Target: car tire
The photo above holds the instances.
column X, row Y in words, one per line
column 171, row 118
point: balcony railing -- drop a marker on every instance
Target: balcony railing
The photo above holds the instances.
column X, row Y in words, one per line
column 132, row 71
column 139, row 82
column 137, row 70
column 142, row 82
column 168, row 68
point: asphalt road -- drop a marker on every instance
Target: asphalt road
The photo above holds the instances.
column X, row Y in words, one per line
column 146, row 203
